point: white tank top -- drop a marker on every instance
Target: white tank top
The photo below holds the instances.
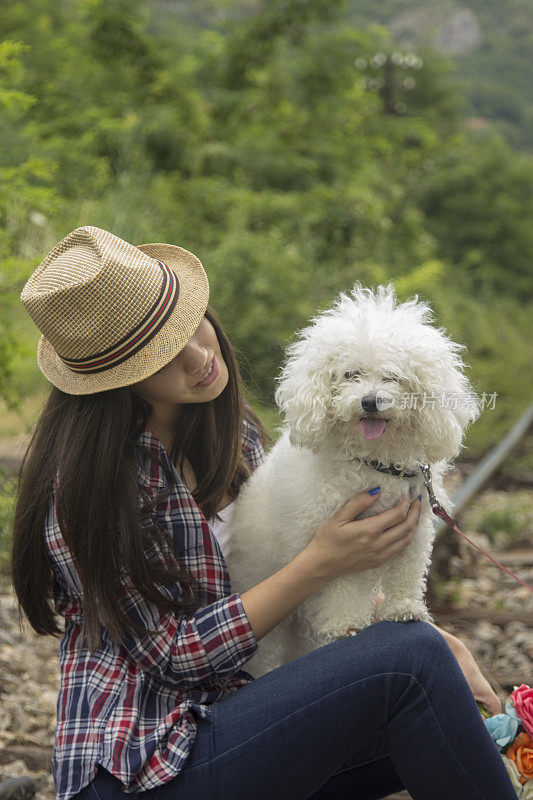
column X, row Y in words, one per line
column 221, row 528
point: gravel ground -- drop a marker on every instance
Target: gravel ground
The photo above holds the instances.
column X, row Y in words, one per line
column 501, row 640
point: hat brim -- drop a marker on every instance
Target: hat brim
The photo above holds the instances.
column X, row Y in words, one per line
column 185, row 318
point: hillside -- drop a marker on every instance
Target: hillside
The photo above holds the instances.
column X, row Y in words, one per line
column 489, row 43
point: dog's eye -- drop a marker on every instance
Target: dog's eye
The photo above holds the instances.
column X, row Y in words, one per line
column 389, row 378
column 354, row 375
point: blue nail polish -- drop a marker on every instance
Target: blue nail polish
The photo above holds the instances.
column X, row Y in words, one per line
column 420, row 497
column 375, row 490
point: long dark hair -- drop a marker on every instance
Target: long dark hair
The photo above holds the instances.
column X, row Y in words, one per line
column 89, row 441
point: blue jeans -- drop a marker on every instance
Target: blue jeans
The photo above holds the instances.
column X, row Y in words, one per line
column 354, row 720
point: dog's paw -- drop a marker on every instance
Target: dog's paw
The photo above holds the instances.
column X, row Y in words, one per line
column 351, row 631
column 405, row 610
column 342, row 630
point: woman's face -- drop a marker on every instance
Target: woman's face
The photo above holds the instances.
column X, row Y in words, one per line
column 196, row 375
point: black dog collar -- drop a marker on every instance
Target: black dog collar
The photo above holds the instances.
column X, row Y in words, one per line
column 390, row 469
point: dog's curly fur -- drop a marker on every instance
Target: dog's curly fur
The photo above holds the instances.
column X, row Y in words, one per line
column 367, row 345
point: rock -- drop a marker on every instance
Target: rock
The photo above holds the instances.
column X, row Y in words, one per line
column 452, row 30
column 14, row 770
column 42, row 779
column 486, row 632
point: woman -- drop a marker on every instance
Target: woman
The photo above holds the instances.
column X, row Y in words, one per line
column 144, row 438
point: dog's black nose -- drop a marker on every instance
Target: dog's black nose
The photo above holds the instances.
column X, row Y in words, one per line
column 369, row 403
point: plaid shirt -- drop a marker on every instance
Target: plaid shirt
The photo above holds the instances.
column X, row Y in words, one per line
column 131, row 706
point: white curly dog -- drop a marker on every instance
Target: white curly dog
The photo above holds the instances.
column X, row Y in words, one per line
column 369, row 389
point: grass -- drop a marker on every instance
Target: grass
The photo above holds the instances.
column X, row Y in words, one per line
column 7, row 498
column 499, row 605
column 447, row 591
column 503, row 520
column 20, row 420
column 506, row 518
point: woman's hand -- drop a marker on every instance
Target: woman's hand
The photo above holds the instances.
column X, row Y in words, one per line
column 479, row 685
column 345, row 544
column 340, row 546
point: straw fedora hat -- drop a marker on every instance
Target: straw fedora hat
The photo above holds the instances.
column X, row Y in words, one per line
column 112, row 314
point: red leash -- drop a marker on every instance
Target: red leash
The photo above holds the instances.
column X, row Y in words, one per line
column 439, row 511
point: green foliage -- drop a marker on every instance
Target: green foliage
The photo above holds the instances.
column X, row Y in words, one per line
column 494, row 71
column 7, row 499
column 504, row 520
column 447, row 592
column 478, row 202
column 8, row 341
column 258, row 144
column 25, row 193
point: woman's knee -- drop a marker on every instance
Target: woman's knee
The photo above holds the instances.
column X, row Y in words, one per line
column 406, row 646
column 413, row 630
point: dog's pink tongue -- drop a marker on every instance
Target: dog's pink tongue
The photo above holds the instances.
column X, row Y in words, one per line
column 372, row 428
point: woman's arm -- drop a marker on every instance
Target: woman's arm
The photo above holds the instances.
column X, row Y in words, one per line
column 479, row 685
column 268, row 603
